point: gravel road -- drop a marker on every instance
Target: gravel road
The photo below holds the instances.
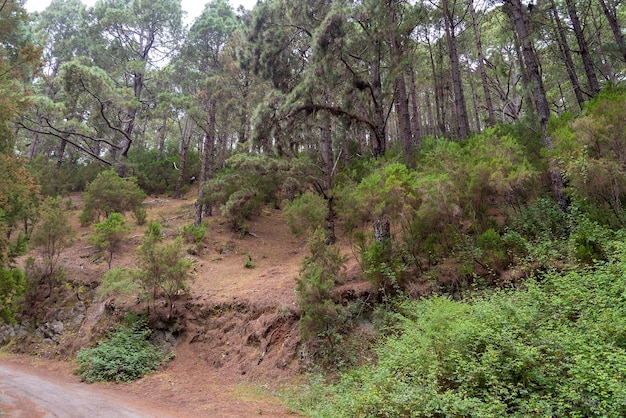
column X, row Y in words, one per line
column 27, row 395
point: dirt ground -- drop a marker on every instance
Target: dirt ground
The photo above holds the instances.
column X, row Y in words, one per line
column 237, row 334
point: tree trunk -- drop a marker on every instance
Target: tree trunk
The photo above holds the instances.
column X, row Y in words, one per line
column 380, row 122
column 401, row 96
column 326, row 151
column 462, row 121
column 415, row 111
column 481, row 67
column 590, row 72
column 206, row 165
column 182, row 156
column 611, row 16
column 475, row 104
column 516, row 11
column 162, row 137
column 404, row 118
column 60, row 154
column 429, row 113
column 567, row 56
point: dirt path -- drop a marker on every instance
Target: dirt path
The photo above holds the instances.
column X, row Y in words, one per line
column 32, row 388
column 27, row 392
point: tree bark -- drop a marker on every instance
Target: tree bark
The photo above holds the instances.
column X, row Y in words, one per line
column 326, row 151
column 475, row 104
column 567, row 56
column 60, row 153
column 415, row 110
column 380, row 130
column 611, row 16
column 162, row 137
column 462, row 121
column 590, row 72
column 182, row 156
column 401, row 96
column 206, row 165
column 516, row 11
column 481, row 67
column 404, row 118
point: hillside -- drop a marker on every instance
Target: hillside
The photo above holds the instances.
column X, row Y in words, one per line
column 236, row 331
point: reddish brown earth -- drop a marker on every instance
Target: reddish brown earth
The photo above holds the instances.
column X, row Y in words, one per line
column 238, row 341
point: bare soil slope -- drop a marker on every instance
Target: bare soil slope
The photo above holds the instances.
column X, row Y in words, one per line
column 237, row 334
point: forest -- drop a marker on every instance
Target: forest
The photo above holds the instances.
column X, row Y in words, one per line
column 470, row 153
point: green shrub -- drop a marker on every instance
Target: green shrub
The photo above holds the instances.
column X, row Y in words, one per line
column 12, row 288
column 592, row 152
column 117, row 282
column 249, row 262
column 194, row 234
column 589, row 241
column 109, row 193
column 248, row 182
column 162, row 268
column 109, row 235
column 493, row 252
column 140, row 214
column 322, row 321
column 72, row 176
column 556, row 348
column 125, row 356
column 307, row 212
column 158, row 176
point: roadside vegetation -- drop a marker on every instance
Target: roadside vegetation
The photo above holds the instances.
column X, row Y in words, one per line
column 488, row 248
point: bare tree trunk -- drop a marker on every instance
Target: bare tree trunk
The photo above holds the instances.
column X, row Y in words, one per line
column 326, row 151
column 60, row 153
column 462, row 121
column 590, row 71
column 611, row 16
column 182, row 156
column 380, row 119
column 206, row 165
column 475, row 104
column 401, row 96
column 567, row 56
column 481, row 67
column 404, row 118
column 436, row 125
column 415, row 111
column 162, row 136
column 429, row 112
column 516, row 11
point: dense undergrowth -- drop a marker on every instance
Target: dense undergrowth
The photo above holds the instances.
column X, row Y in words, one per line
column 463, row 219
column 556, row 347
column 125, row 356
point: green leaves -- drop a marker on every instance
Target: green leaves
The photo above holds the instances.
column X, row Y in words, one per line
column 110, row 193
column 109, row 235
column 127, row 355
column 556, row 348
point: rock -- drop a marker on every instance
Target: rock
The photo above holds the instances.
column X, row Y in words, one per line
column 58, row 327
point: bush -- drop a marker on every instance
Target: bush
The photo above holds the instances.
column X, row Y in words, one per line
column 12, row 288
column 306, row 212
column 194, row 234
column 109, row 235
column 162, row 268
column 592, row 151
column 323, row 321
column 557, row 348
column 125, row 356
column 246, row 184
column 109, row 193
column 117, row 282
column 72, row 176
